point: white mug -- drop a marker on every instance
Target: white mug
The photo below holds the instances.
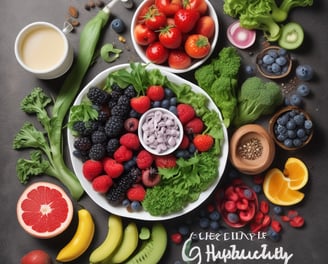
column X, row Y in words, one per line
column 42, row 48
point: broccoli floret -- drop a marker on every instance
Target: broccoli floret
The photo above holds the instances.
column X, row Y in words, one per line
column 205, row 76
column 228, row 63
column 256, row 98
column 280, row 13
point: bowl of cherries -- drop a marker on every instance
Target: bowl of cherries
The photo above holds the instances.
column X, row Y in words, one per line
column 174, row 35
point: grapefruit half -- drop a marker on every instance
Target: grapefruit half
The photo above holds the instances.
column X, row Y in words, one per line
column 44, row 210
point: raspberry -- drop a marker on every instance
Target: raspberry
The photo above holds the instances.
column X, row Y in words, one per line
column 123, row 154
column 136, row 193
column 185, row 113
column 130, row 140
column 168, row 161
column 113, row 168
column 184, row 143
column 194, row 126
column 102, row 183
column 92, row 169
column 144, row 159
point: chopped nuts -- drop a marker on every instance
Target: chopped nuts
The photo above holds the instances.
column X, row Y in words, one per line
column 251, row 149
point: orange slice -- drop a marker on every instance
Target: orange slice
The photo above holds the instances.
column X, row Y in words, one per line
column 297, row 172
column 276, row 189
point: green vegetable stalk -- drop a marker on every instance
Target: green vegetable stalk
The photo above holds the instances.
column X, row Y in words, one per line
column 49, row 143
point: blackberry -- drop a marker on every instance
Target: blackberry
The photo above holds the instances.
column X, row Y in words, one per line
column 121, row 110
column 112, row 146
column 98, row 137
column 114, row 126
column 79, row 127
column 115, row 95
column 117, row 192
column 90, row 127
column 130, row 92
column 97, row 96
column 97, row 152
column 116, row 88
column 103, row 116
column 82, row 144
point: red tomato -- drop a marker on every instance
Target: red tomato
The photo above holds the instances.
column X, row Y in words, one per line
column 168, row 7
column 143, row 35
column 197, row 46
column 178, row 59
column 199, row 5
column 157, row 53
column 170, row 37
column 186, row 19
column 36, row 256
column 205, row 26
column 154, row 19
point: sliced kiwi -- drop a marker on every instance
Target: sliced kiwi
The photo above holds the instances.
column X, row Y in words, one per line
column 153, row 249
column 292, row 36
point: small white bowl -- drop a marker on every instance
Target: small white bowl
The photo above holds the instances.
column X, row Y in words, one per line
column 154, row 148
column 195, row 63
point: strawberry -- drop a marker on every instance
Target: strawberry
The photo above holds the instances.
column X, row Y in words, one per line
column 102, row 183
column 130, row 140
column 194, row 126
column 136, row 193
column 176, row 238
column 144, row 159
column 92, row 169
column 155, row 92
column 113, row 168
column 184, row 143
column 185, row 113
column 140, row 104
column 168, row 161
column 123, row 154
column 203, row 142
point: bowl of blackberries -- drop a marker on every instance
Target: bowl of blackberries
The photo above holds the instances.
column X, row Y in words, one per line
column 291, row 128
column 274, row 62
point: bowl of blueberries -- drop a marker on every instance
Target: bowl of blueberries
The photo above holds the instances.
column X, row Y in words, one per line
column 291, row 128
column 274, row 62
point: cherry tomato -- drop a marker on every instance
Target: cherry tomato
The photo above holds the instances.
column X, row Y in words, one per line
column 170, row 37
column 186, row 19
column 178, row 59
column 168, row 7
column 197, row 46
column 157, row 53
column 154, row 19
column 143, row 35
column 199, row 5
column 205, row 26
column 36, row 256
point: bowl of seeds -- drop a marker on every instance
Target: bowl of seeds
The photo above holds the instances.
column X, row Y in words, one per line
column 252, row 149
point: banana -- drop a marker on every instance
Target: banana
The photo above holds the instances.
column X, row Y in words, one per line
column 113, row 239
column 128, row 245
column 81, row 239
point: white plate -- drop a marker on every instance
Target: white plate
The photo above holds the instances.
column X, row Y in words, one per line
column 100, row 199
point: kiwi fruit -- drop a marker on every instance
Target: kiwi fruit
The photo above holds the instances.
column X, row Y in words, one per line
column 153, row 249
column 292, row 36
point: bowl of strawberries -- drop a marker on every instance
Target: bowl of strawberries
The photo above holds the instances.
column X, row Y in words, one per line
column 177, row 36
column 149, row 148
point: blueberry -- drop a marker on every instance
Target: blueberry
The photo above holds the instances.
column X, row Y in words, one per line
column 303, row 90
column 156, row 103
column 204, row 222
column 276, row 68
column 273, row 235
column 257, row 188
column 233, row 218
column 135, row 206
column 304, row 72
column 281, row 61
column 214, row 216
column 173, row 109
column 282, row 52
column 282, row 120
column 184, row 230
column 299, row 119
column 168, row 93
column 191, row 148
column 214, row 225
column 282, row 137
column 282, row 129
column 288, row 143
column 273, row 53
column 118, row 25
column 267, row 59
column 277, row 210
column 173, row 101
column 297, row 142
column 125, row 203
column 291, row 133
column 249, row 70
column 308, row 124
column 165, row 103
column 300, row 133
column 295, row 100
column 248, row 193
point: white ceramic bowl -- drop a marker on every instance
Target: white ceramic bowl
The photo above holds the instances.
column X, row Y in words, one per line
column 195, row 63
column 100, row 199
column 154, row 146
